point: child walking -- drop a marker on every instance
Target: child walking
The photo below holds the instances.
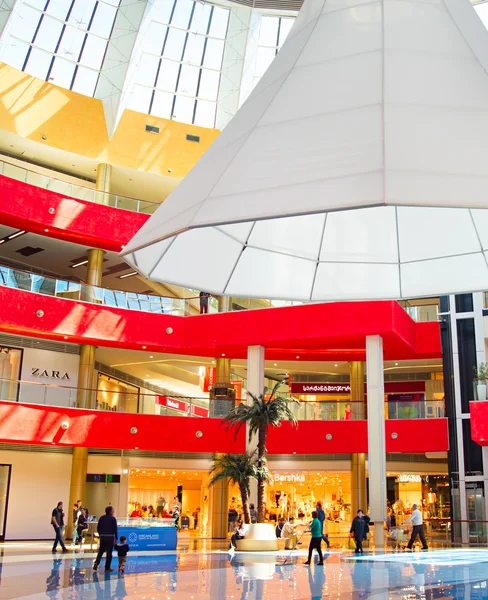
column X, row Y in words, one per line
column 122, row 550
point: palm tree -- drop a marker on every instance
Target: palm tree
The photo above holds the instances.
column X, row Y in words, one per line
column 239, row 469
column 262, row 413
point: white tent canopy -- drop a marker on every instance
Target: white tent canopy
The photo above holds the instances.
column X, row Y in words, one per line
column 357, row 169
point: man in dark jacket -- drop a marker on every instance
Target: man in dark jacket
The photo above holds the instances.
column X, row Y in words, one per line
column 357, row 529
column 107, row 530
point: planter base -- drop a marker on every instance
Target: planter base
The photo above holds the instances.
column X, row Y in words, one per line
column 259, row 537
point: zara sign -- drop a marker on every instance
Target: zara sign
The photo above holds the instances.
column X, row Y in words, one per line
column 36, row 372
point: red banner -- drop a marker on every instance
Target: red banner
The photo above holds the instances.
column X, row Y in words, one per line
column 199, row 411
column 207, row 378
column 237, row 385
column 173, row 403
column 326, row 388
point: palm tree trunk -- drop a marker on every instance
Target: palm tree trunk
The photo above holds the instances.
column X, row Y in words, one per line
column 245, row 504
column 262, row 435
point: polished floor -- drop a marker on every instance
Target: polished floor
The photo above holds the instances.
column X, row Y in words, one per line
column 202, row 570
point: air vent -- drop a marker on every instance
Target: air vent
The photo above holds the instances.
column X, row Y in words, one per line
column 29, row 251
column 28, row 342
column 193, row 138
column 152, row 129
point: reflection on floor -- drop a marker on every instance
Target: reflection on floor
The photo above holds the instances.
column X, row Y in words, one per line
column 204, row 570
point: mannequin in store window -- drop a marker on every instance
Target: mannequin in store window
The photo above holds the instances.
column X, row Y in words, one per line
column 283, row 503
column 347, row 413
column 277, row 498
column 431, row 500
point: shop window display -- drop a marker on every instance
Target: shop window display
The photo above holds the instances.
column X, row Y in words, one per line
column 10, row 361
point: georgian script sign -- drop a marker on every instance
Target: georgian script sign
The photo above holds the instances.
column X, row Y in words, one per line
column 320, row 388
column 49, row 374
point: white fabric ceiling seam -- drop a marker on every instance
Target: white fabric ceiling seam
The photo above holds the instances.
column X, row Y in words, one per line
column 262, row 114
column 318, row 255
column 483, row 251
column 244, row 246
column 398, row 252
column 158, row 262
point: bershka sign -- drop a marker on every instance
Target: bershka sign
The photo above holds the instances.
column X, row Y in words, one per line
column 282, row 477
column 320, row 388
column 49, row 374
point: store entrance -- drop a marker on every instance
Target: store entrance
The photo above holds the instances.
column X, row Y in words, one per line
column 296, row 494
column 155, row 493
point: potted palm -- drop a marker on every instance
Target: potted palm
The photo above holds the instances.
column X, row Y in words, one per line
column 480, row 377
column 262, row 412
column 239, row 469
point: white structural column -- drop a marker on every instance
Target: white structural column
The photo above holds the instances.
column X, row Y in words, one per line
column 255, row 385
column 376, row 436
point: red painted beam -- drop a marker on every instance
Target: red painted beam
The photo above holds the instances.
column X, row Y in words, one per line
column 312, row 331
column 34, row 209
column 413, row 436
column 417, row 435
column 33, row 424
column 40, row 424
column 479, row 422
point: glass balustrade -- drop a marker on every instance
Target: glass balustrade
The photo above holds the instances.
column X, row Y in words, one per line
column 72, row 290
column 75, row 190
column 146, row 402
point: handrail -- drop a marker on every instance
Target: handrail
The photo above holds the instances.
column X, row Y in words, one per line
column 78, row 191
column 73, row 290
column 60, row 394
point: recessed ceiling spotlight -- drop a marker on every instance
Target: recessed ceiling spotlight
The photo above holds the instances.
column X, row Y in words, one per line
column 396, row 364
column 298, row 357
column 275, row 364
column 336, row 365
column 46, row 230
column 144, row 347
column 151, row 357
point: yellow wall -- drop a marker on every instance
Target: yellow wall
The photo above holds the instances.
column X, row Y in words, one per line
column 33, row 108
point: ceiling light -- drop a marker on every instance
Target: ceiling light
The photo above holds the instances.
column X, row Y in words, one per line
column 144, row 347
column 65, row 337
column 46, row 230
column 276, row 364
column 223, row 354
column 79, row 264
column 396, row 364
column 128, row 275
column 336, row 365
column 16, row 234
column 151, row 357
column 298, row 357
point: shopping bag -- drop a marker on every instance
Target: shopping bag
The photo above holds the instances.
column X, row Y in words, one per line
column 351, row 542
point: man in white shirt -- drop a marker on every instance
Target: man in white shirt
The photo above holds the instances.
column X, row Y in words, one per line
column 418, row 528
column 289, row 535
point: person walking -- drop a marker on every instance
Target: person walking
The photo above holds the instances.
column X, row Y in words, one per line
column 57, row 521
column 316, row 541
column 357, row 529
column 321, row 514
column 418, row 528
column 122, row 550
column 108, row 533
column 76, row 514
